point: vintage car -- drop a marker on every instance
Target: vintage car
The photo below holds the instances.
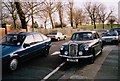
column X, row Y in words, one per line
column 57, row 36
column 19, row 47
column 83, row 44
column 111, row 37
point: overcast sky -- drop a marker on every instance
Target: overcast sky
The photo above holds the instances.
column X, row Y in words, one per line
column 108, row 3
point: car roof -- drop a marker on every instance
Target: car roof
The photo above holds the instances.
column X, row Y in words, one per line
column 23, row 33
column 85, row 31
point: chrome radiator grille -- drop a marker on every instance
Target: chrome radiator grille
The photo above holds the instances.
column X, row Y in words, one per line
column 73, row 49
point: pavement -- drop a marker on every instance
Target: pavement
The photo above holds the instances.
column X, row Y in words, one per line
column 110, row 70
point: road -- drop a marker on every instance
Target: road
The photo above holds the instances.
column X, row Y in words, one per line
column 53, row 68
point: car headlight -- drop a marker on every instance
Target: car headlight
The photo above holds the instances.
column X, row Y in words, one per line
column 115, row 38
column 86, row 47
column 80, row 53
column 66, row 52
column 62, row 47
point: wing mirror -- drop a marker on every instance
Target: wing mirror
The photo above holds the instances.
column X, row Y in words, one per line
column 26, row 45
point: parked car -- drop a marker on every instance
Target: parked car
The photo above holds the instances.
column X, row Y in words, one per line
column 84, row 44
column 57, row 35
column 20, row 47
column 100, row 31
column 116, row 29
column 111, row 37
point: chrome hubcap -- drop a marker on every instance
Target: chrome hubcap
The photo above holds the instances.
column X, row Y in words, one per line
column 13, row 64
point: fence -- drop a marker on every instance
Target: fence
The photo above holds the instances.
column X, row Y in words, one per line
column 9, row 29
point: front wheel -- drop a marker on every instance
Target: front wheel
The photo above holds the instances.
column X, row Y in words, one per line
column 92, row 60
column 117, row 43
column 58, row 38
column 65, row 38
column 13, row 64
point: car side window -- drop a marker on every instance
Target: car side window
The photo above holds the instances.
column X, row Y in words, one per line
column 60, row 34
column 29, row 40
column 95, row 36
column 38, row 38
column 44, row 37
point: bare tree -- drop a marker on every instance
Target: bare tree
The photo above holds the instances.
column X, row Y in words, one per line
column 21, row 15
column 44, row 16
column 92, row 10
column 50, row 8
column 70, row 13
column 12, row 10
column 78, row 16
column 60, row 12
column 4, row 13
column 111, row 20
column 31, row 9
column 104, row 14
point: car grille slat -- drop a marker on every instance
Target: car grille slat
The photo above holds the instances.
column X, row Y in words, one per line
column 73, row 49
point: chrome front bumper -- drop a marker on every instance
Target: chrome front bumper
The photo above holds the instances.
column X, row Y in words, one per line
column 77, row 57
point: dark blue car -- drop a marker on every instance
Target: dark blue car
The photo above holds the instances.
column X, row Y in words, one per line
column 19, row 47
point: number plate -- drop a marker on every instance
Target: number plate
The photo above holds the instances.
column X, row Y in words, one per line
column 108, row 40
column 72, row 60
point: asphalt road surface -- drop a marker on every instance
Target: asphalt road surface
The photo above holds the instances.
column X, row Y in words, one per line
column 53, row 68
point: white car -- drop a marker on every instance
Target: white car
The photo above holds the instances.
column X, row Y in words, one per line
column 57, row 35
column 111, row 37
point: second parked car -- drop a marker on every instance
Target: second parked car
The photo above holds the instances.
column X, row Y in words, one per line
column 19, row 47
column 57, row 35
column 111, row 37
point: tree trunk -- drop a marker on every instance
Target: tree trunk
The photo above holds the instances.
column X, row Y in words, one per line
column 51, row 21
column 71, row 17
column 76, row 25
column 103, row 24
column 111, row 25
column 14, row 21
column 32, row 19
column 45, row 24
column 60, row 16
column 32, row 23
column 14, row 24
column 21, row 15
column 94, row 24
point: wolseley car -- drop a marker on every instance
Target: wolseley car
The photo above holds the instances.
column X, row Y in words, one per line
column 111, row 37
column 83, row 44
column 19, row 47
column 57, row 35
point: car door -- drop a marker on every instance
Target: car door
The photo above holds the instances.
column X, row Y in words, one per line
column 40, row 44
column 28, row 49
column 61, row 35
column 97, row 45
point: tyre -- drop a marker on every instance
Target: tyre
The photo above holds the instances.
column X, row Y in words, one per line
column 92, row 59
column 13, row 64
column 58, row 38
column 117, row 43
column 65, row 38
